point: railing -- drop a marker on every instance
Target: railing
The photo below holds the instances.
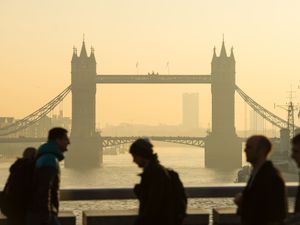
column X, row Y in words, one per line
column 226, row 191
column 196, row 216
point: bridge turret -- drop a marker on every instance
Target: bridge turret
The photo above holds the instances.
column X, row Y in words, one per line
column 74, row 56
column 92, row 57
column 214, row 55
column 85, row 148
column 223, row 142
column 232, row 55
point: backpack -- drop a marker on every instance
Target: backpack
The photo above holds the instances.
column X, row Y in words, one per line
column 17, row 192
column 178, row 197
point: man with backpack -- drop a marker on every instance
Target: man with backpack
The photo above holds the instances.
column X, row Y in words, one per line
column 160, row 193
column 45, row 199
column 15, row 197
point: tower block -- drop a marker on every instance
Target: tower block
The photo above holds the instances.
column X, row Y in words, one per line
column 223, row 149
column 85, row 149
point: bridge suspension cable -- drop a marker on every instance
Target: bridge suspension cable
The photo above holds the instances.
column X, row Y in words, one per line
column 266, row 114
column 35, row 116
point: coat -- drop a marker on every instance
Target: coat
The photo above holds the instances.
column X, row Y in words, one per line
column 264, row 199
column 17, row 191
column 153, row 194
column 46, row 181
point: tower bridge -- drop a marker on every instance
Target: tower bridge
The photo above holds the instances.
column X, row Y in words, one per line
column 222, row 145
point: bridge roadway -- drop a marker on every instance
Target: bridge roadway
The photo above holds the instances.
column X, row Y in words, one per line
column 108, row 141
column 153, row 79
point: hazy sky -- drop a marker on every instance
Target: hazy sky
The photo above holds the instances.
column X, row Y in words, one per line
column 37, row 38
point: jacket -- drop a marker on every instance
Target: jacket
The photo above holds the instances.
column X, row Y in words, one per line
column 46, row 181
column 264, row 198
column 153, row 194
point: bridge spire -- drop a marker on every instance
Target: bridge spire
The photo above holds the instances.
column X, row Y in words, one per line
column 214, row 55
column 92, row 56
column 83, row 50
column 231, row 54
column 223, row 49
column 214, row 58
column 74, row 57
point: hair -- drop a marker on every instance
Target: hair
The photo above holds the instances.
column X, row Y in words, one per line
column 262, row 142
column 29, row 153
column 142, row 147
column 296, row 139
column 57, row 133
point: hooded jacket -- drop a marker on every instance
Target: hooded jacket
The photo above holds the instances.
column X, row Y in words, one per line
column 47, row 181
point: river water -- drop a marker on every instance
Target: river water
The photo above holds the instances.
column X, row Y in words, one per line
column 119, row 171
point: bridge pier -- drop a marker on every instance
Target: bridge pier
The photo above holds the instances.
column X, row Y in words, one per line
column 85, row 152
column 86, row 149
column 223, row 149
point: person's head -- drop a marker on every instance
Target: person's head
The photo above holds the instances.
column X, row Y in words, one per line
column 296, row 149
column 257, row 148
column 29, row 153
column 141, row 151
column 60, row 137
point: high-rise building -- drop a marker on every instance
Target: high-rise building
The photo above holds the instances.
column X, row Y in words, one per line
column 190, row 110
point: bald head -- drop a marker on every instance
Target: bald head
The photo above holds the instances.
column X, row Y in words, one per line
column 257, row 148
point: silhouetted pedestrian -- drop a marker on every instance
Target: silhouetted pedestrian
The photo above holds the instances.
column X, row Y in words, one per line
column 45, row 200
column 295, row 218
column 17, row 191
column 264, row 199
column 161, row 195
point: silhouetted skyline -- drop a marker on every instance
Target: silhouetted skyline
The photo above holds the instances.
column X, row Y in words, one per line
column 35, row 67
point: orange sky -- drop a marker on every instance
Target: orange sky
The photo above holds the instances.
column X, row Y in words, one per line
column 37, row 38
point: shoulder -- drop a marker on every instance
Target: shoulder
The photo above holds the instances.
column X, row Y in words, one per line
column 47, row 160
column 155, row 171
column 271, row 173
column 17, row 164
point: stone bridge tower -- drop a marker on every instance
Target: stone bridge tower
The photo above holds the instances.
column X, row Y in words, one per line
column 222, row 148
column 85, row 149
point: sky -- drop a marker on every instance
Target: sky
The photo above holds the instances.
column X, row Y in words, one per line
column 37, row 38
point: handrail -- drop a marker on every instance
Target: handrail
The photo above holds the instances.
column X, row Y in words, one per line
column 225, row 191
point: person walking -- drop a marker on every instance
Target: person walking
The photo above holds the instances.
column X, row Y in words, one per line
column 264, row 199
column 16, row 194
column 162, row 200
column 295, row 218
column 46, row 182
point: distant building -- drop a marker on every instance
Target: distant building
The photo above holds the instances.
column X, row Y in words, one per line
column 190, row 110
column 61, row 121
column 41, row 127
column 5, row 121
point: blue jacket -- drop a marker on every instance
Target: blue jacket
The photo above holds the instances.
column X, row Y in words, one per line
column 49, row 155
column 47, row 181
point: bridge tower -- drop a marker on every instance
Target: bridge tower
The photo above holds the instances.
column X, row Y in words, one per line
column 85, row 149
column 223, row 149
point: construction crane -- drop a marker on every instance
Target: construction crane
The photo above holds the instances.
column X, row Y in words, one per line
column 290, row 108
